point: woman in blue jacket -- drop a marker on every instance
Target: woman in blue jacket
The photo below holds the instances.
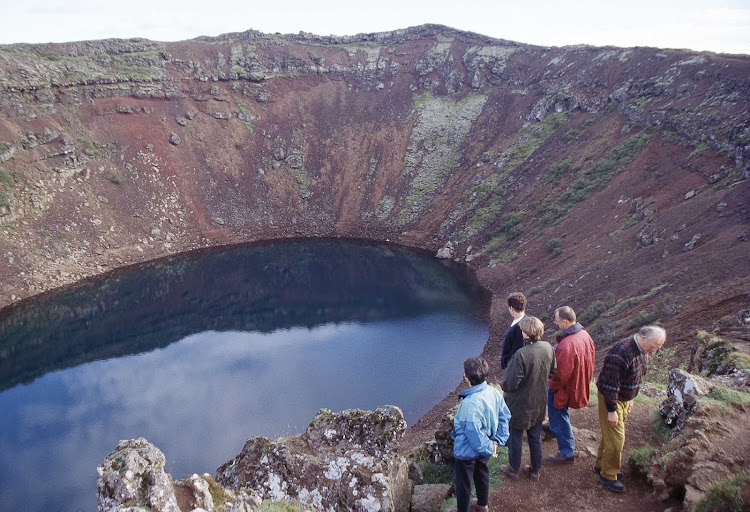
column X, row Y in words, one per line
column 480, row 425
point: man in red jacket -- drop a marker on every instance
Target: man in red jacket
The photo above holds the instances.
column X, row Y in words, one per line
column 569, row 387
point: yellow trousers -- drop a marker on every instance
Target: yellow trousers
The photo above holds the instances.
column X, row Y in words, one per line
column 609, row 455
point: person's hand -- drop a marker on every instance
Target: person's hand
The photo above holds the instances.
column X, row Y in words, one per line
column 612, row 418
column 494, row 449
column 630, row 406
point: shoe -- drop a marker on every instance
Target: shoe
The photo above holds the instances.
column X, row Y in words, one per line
column 598, row 471
column 531, row 473
column 474, row 507
column 559, row 459
column 612, row 485
column 506, row 470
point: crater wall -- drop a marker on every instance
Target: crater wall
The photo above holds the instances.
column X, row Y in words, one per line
column 614, row 180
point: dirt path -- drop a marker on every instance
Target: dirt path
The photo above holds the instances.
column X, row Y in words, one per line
column 567, row 488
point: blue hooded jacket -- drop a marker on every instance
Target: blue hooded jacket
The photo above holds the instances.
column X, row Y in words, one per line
column 481, row 419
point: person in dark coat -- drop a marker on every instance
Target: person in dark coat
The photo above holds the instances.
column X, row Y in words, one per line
column 525, row 387
column 513, row 339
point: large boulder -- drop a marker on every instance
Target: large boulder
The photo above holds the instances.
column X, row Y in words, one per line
column 133, row 476
column 344, row 461
column 708, row 443
column 132, row 479
column 683, row 391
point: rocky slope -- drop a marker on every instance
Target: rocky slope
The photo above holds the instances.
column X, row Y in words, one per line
column 611, row 179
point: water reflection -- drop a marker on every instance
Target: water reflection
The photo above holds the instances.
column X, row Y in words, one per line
column 263, row 344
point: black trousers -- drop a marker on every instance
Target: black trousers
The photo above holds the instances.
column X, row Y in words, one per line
column 466, row 471
column 515, row 444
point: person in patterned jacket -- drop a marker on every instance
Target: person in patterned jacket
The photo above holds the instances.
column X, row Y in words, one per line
column 618, row 384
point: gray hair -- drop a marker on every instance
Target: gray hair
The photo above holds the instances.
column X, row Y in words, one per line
column 652, row 332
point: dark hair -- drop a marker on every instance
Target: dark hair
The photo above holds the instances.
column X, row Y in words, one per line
column 566, row 313
column 476, row 370
column 517, row 301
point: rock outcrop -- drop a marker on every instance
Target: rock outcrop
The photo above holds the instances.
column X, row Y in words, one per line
column 133, row 476
column 344, row 461
column 708, row 445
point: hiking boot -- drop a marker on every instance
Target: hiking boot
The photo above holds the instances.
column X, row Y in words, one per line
column 476, row 508
column 531, row 473
column 612, row 485
column 559, row 459
column 547, row 434
column 508, row 472
column 598, row 471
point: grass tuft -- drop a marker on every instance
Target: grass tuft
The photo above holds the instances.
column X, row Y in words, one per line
column 640, row 459
column 724, row 496
column 730, row 396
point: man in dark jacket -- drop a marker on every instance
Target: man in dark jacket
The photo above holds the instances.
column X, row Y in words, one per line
column 569, row 387
column 525, row 387
column 619, row 382
column 513, row 339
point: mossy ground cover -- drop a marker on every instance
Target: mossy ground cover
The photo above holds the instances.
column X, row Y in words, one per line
column 591, row 180
column 598, row 315
column 724, row 496
column 639, row 459
column 442, row 126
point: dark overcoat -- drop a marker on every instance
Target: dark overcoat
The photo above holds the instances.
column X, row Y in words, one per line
column 525, row 384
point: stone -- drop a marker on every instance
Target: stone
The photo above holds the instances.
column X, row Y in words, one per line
column 429, row 497
column 721, row 206
column 415, row 473
column 344, row 461
column 691, row 244
column 647, row 236
column 443, row 439
column 134, row 473
column 683, row 390
column 174, row 139
column 278, row 153
column 181, row 121
column 296, row 159
column 444, row 253
column 247, row 501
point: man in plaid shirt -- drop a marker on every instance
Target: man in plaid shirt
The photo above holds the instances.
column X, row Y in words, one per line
column 619, row 382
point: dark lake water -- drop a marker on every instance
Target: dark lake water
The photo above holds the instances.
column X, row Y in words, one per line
column 197, row 353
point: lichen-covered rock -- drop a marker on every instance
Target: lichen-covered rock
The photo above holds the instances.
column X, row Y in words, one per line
column 443, row 439
column 696, row 457
column 683, row 390
column 133, row 475
column 344, row 461
column 247, row 501
column 201, row 493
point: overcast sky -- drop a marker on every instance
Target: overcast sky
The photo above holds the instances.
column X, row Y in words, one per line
column 714, row 25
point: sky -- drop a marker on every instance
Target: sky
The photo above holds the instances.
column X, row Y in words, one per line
column 704, row 25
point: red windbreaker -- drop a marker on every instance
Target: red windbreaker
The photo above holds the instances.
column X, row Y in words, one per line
column 575, row 367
